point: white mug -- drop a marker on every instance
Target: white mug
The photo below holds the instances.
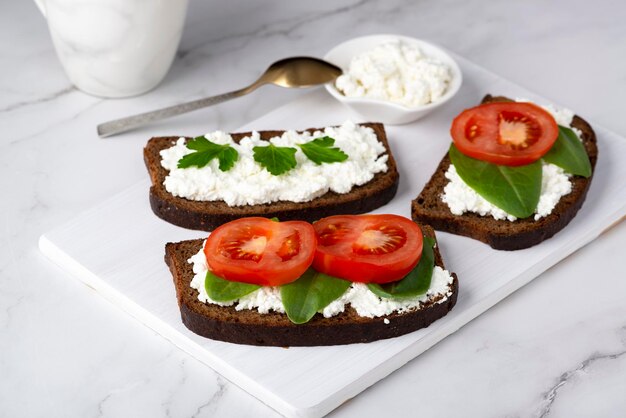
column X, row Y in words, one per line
column 115, row 48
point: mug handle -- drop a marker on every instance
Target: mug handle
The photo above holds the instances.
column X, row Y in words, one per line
column 42, row 8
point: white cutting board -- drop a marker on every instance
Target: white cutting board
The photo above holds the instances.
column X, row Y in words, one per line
column 117, row 248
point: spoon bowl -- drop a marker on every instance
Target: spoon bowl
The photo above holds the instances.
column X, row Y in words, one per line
column 300, row 72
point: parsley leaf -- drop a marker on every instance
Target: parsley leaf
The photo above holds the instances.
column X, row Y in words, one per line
column 276, row 160
column 321, row 150
column 206, row 151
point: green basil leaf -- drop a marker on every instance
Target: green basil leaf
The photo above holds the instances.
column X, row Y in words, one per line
column 416, row 283
column 206, row 151
column 515, row 190
column 222, row 290
column 276, row 160
column 321, row 150
column 568, row 152
column 312, row 292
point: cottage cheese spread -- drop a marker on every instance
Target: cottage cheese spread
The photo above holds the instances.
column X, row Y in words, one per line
column 395, row 72
column 365, row 302
column 555, row 183
column 247, row 183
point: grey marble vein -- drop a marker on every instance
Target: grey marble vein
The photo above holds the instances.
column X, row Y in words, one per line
column 5, row 319
column 551, row 395
column 60, row 122
column 101, row 404
column 120, row 390
column 48, row 98
column 214, row 399
column 167, row 403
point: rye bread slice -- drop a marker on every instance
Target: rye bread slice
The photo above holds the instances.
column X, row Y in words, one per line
column 225, row 323
column 428, row 208
column 207, row 216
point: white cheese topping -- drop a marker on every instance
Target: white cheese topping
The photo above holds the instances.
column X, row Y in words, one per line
column 395, row 72
column 562, row 116
column 365, row 302
column 461, row 198
column 555, row 183
column 248, row 183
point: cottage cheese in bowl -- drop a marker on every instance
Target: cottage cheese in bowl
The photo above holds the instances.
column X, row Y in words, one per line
column 396, row 72
column 393, row 79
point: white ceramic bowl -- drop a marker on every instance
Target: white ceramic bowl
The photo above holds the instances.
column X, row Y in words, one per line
column 383, row 111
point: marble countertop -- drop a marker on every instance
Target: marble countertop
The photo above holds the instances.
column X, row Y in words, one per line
column 555, row 348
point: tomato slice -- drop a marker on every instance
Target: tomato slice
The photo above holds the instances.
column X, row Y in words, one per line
column 367, row 248
column 261, row 251
column 505, row 133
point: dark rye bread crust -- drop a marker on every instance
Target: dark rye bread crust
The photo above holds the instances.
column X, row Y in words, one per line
column 207, row 216
column 224, row 323
column 428, row 208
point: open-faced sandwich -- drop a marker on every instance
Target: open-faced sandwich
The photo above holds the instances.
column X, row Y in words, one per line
column 204, row 182
column 515, row 175
column 344, row 279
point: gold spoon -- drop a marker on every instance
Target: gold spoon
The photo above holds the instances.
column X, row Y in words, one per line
column 288, row 72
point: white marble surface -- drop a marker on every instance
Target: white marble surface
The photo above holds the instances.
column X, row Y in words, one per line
column 556, row 348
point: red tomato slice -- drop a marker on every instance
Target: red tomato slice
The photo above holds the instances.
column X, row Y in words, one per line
column 508, row 133
column 261, row 251
column 367, row 248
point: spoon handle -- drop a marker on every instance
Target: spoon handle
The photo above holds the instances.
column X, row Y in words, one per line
column 131, row 122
